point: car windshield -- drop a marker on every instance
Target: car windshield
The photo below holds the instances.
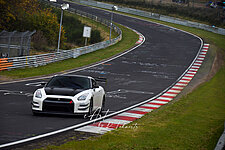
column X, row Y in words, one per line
column 69, row 82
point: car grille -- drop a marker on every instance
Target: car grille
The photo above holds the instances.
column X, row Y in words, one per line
column 58, row 99
column 58, row 105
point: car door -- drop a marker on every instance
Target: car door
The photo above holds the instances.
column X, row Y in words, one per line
column 97, row 95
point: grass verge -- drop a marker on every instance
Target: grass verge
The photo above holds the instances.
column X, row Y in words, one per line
column 104, row 30
column 195, row 121
column 128, row 41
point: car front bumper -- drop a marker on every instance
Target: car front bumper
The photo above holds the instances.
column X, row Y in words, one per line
column 60, row 105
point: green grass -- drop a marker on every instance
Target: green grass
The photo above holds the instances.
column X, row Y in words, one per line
column 195, row 121
column 95, row 25
column 208, row 37
column 198, row 14
column 128, row 41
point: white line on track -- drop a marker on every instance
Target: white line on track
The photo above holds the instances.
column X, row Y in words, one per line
column 78, row 125
column 129, row 108
column 131, row 115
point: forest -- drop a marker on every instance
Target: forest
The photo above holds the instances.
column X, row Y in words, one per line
column 23, row 15
column 195, row 10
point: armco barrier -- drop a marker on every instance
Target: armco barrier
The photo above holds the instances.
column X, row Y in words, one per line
column 44, row 59
column 154, row 16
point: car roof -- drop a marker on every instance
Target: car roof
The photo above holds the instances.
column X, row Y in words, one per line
column 74, row 76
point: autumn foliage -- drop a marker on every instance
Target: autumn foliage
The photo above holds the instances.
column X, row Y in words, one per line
column 22, row 15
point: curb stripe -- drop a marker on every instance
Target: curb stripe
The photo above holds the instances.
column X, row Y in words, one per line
column 195, row 67
column 165, row 96
column 163, row 100
column 116, row 121
column 146, row 107
column 199, row 61
column 151, row 105
column 170, row 94
column 141, row 109
column 201, row 56
column 155, row 103
column 181, row 84
column 174, row 91
column 184, row 79
column 191, row 72
column 158, row 102
column 187, row 77
column 124, row 118
column 106, row 125
column 103, row 130
column 135, row 113
column 141, row 38
column 95, row 129
column 175, row 87
column 131, row 115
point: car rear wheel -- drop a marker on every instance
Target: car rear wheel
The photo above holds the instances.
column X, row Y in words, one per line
column 91, row 107
column 103, row 104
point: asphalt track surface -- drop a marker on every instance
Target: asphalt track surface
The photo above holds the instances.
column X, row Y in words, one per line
column 132, row 78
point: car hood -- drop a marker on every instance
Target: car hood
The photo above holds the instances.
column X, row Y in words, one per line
column 62, row 91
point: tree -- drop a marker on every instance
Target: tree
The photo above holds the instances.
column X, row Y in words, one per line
column 22, row 15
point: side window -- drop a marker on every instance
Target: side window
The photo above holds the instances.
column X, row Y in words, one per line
column 94, row 83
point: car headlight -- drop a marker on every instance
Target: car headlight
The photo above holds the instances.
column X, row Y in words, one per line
column 82, row 97
column 38, row 94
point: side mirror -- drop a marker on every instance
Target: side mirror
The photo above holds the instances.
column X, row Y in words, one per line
column 43, row 84
column 96, row 86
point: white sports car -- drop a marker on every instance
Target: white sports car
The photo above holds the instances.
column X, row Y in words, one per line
column 69, row 94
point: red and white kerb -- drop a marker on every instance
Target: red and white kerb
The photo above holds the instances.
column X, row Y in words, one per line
column 127, row 117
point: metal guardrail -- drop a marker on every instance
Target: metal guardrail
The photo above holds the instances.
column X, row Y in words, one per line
column 154, row 16
column 44, row 59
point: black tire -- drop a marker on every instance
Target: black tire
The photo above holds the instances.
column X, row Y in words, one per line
column 103, row 104
column 34, row 113
column 91, row 107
